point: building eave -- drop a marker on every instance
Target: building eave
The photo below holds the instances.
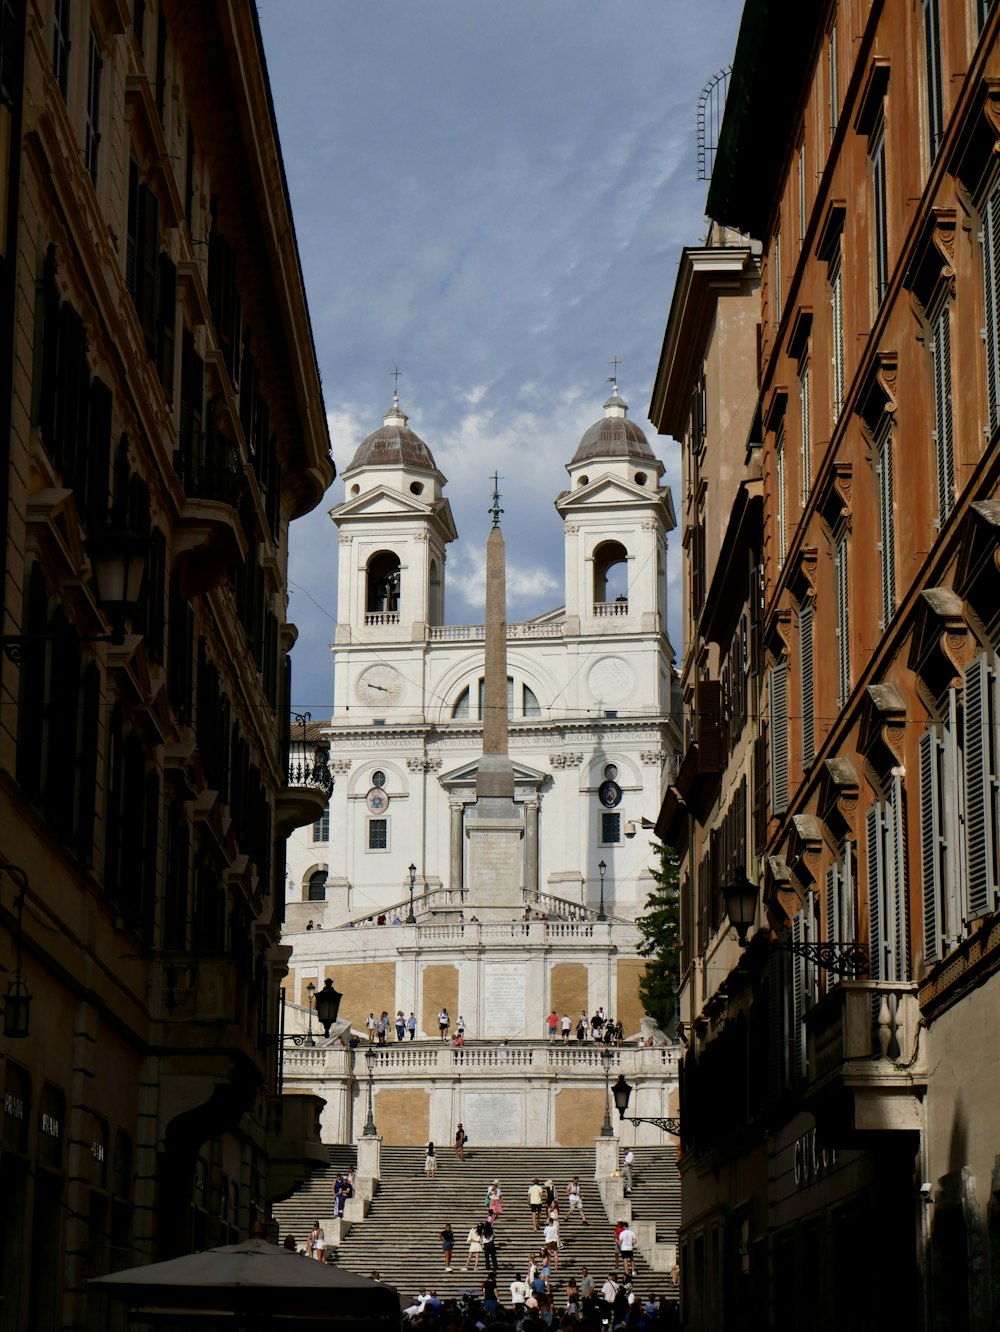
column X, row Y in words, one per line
column 704, row 273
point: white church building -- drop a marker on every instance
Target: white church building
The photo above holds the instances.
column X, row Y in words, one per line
column 592, row 702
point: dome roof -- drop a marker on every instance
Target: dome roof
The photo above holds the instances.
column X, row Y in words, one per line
column 394, row 444
column 614, row 436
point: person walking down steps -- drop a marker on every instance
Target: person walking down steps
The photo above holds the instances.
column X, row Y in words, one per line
column 447, row 1238
column 430, row 1162
column 461, row 1138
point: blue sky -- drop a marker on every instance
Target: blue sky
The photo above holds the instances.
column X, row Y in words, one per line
column 494, row 197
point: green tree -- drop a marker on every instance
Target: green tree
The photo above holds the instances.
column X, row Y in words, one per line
column 660, row 927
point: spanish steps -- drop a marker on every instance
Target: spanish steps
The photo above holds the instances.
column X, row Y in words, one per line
column 399, row 1237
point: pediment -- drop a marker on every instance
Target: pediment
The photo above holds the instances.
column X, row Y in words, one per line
column 383, row 502
column 465, row 775
column 612, row 490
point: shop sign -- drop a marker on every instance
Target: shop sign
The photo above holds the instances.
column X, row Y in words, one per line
column 811, row 1160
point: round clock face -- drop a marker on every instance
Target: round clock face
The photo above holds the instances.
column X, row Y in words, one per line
column 611, row 679
column 377, row 800
column 380, row 686
column 609, row 794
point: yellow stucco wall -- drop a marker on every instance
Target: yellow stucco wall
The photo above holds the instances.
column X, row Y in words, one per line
column 569, row 990
column 367, row 988
column 439, row 989
column 630, row 1010
column 403, row 1117
column 579, row 1116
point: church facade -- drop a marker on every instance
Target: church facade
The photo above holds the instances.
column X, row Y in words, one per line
column 591, row 742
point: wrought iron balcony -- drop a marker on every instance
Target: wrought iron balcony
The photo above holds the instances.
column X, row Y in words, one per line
column 306, row 796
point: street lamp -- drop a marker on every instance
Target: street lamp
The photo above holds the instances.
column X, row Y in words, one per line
column 607, row 1059
column 328, row 1006
column 622, row 1091
column 740, row 896
column 117, row 562
column 602, row 869
column 371, row 1056
column 17, row 1001
column 411, row 918
column 310, row 991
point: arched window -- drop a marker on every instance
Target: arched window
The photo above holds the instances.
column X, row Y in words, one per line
column 532, row 708
column 610, row 579
column 317, row 886
column 383, row 584
column 461, row 708
column 435, row 606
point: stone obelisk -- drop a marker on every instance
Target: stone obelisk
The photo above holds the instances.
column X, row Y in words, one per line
column 494, row 824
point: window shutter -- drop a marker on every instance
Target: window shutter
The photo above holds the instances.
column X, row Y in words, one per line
column 781, row 516
column 798, row 1032
column 98, row 474
column 979, row 798
column 807, row 686
column 775, row 1027
column 991, row 283
column 837, row 311
column 779, row 737
column 9, row 63
column 843, row 620
column 930, row 843
column 874, row 874
column 897, row 931
column 848, row 932
column 805, row 400
column 148, row 256
column 887, row 525
column 943, row 433
column 88, row 721
column 166, row 319
column 832, row 905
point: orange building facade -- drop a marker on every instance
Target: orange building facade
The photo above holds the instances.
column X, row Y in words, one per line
column 870, row 181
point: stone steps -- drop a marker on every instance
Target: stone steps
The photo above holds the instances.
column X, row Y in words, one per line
column 399, row 1237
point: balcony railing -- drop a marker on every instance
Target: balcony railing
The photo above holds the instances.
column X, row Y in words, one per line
column 209, row 468
column 450, row 633
column 315, row 776
column 381, row 619
column 604, row 609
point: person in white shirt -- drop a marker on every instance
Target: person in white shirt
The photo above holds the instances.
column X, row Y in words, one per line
column 552, row 1240
column 609, row 1290
column 626, row 1243
column 575, row 1198
column 627, row 1162
column 518, row 1291
column 564, row 1024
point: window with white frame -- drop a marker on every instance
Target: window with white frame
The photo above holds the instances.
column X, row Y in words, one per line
column 807, row 692
column 321, row 828
column 886, row 518
column 780, row 511
column 778, row 733
column 942, row 849
column 932, row 71
column 879, row 217
column 611, row 828
column 837, row 333
column 943, row 431
column 885, row 878
column 378, row 834
column 805, row 416
column 990, row 241
column 842, row 627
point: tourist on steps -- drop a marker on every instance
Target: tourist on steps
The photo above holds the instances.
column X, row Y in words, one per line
column 489, row 1245
column 447, row 1238
column 575, row 1199
column 461, row 1138
column 444, row 1022
column 430, row 1162
column 474, row 1240
column 536, row 1196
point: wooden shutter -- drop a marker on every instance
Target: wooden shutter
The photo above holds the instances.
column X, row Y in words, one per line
column 166, row 319
column 930, row 843
column 778, row 681
column 806, row 684
column 97, row 494
column 781, row 513
column 943, row 432
column 831, row 903
column 843, row 628
column 837, row 316
column 887, row 525
column 147, row 258
column 848, row 915
column 979, row 797
column 805, row 402
column 991, row 283
column 896, row 927
column 798, row 968
column 874, row 877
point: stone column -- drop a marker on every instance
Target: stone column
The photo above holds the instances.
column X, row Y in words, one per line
column 531, row 849
column 455, row 869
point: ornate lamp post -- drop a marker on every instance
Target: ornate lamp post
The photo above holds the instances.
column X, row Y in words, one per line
column 328, row 1006
column 310, row 991
column 411, row 918
column 740, row 895
column 622, row 1091
column 369, row 1130
column 602, row 869
column 607, row 1059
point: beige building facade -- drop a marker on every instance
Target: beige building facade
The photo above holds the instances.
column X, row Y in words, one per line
column 159, row 380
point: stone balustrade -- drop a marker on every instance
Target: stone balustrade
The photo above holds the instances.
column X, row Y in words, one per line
column 432, row 1058
column 449, row 633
